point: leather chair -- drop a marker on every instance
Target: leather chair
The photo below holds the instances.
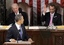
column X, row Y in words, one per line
column 59, row 10
column 25, row 8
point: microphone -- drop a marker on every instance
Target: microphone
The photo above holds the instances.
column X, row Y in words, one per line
column 45, row 33
column 18, row 35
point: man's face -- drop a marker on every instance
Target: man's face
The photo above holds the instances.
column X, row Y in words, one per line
column 21, row 20
column 52, row 9
column 15, row 9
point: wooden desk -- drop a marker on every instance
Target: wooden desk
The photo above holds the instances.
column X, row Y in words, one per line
column 56, row 37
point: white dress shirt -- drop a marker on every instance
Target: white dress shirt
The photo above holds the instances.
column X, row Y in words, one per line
column 51, row 18
column 18, row 26
column 52, row 14
column 17, row 13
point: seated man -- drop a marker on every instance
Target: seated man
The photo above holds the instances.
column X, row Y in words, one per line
column 15, row 11
column 17, row 31
column 44, row 11
column 52, row 17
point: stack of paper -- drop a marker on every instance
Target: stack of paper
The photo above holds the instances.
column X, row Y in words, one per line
column 60, row 27
column 37, row 27
column 4, row 27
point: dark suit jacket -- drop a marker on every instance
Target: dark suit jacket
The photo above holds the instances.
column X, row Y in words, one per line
column 56, row 19
column 11, row 18
column 13, row 33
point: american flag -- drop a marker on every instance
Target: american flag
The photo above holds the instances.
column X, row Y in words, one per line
column 37, row 6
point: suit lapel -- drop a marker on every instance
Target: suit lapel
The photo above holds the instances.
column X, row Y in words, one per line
column 17, row 32
column 16, row 29
column 49, row 18
column 55, row 16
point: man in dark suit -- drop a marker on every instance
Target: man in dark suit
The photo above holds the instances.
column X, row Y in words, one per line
column 17, row 31
column 52, row 17
column 15, row 11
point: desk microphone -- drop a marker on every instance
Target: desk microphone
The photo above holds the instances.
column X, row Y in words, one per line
column 18, row 35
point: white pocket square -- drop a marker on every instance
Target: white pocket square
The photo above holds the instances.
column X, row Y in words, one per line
column 55, row 16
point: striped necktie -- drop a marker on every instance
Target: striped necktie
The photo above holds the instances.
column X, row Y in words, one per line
column 21, row 32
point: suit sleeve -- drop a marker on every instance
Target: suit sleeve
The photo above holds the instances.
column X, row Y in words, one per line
column 26, row 37
column 59, row 21
column 25, row 18
column 44, row 17
column 9, row 35
column 9, row 19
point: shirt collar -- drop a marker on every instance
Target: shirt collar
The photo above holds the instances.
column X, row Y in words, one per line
column 18, row 26
column 17, row 13
column 52, row 14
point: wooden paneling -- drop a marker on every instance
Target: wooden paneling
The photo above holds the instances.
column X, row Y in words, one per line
column 41, row 37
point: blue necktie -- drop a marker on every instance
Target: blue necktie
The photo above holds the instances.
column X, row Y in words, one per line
column 20, row 32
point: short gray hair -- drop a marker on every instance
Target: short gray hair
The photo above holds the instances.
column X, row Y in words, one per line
column 14, row 5
column 18, row 17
